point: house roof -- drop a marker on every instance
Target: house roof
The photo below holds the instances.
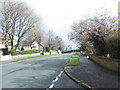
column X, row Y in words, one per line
column 25, row 43
column 41, row 44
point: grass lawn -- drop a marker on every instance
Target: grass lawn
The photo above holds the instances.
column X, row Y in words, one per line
column 73, row 62
column 29, row 58
column 75, row 56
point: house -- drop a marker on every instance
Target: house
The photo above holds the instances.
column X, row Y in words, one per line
column 26, row 45
column 2, row 41
column 37, row 46
column 5, row 43
column 68, row 47
column 4, row 47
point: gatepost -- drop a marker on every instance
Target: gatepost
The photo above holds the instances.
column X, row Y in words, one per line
column 1, row 55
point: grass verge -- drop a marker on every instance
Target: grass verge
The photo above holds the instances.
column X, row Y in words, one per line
column 75, row 56
column 27, row 58
column 73, row 62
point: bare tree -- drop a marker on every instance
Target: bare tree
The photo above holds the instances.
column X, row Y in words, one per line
column 54, row 42
column 5, row 21
column 58, row 43
column 51, row 36
column 37, row 35
column 17, row 20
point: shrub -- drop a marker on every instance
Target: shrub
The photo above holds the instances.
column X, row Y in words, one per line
column 47, row 49
column 13, row 52
column 76, row 54
column 113, row 45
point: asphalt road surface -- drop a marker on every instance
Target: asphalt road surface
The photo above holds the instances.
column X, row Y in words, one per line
column 43, row 72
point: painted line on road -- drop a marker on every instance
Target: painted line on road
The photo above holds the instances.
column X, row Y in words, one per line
column 61, row 72
column 59, row 75
column 55, row 80
column 51, row 86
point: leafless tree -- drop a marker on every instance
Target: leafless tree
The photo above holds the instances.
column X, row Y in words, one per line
column 58, row 43
column 17, row 20
column 37, row 35
column 54, row 42
column 50, row 36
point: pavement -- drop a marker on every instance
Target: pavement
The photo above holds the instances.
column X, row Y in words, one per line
column 44, row 72
column 92, row 76
column 5, row 62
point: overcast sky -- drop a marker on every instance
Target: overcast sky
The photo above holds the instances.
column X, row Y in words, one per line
column 58, row 15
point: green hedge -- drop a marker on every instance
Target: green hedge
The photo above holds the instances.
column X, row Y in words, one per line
column 13, row 52
column 76, row 54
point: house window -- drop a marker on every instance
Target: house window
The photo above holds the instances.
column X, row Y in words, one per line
column 33, row 46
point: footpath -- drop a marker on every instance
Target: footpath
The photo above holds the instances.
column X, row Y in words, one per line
column 6, row 62
column 91, row 75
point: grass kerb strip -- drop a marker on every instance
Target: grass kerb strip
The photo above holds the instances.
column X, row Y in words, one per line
column 73, row 62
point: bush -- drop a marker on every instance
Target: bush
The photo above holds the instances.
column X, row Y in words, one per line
column 47, row 49
column 13, row 52
column 76, row 54
column 113, row 45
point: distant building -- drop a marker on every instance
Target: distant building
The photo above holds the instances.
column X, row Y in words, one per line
column 68, row 47
column 26, row 45
column 36, row 45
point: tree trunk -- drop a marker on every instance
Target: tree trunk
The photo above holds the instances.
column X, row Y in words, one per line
column 12, row 45
column 18, row 42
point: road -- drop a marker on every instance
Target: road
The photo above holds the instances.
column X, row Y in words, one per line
column 43, row 72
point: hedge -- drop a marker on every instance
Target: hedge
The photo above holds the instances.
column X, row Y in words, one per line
column 13, row 52
column 76, row 54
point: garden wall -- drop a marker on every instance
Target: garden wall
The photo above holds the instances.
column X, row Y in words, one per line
column 112, row 64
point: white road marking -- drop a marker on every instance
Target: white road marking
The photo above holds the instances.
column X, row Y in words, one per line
column 59, row 75
column 51, row 86
column 55, row 80
column 61, row 72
